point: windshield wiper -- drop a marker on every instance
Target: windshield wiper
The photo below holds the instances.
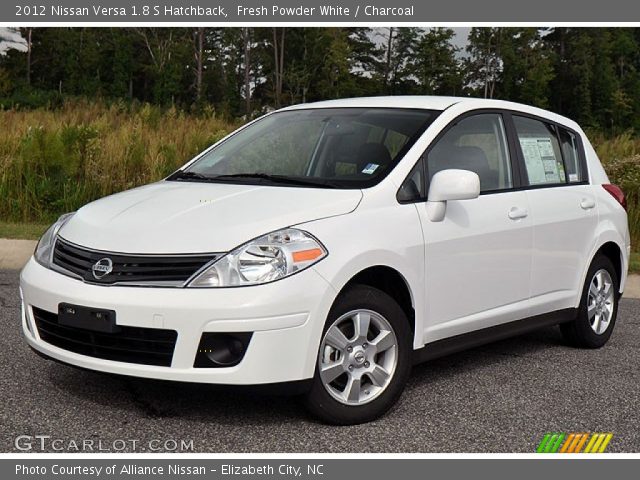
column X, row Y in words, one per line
column 188, row 175
column 277, row 179
column 182, row 175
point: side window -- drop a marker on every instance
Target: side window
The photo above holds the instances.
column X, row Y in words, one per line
column 412, row 188
column 477, row 143
column 570, row 152
column 541, row 151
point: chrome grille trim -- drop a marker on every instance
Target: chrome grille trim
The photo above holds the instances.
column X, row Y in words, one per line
column 133, row 270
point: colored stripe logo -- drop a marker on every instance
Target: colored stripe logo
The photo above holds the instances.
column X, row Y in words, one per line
column 574, row 443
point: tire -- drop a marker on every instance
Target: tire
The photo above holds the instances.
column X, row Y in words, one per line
column 592, row 329
column 367, row 373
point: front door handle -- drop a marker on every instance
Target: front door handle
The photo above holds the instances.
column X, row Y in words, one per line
column 587, row 203
column 516, row 213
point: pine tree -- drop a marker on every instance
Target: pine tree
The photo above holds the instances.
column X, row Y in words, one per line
column 436, row 65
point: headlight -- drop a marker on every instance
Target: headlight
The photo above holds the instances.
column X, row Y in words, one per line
column 44, row 249
column 271, row 257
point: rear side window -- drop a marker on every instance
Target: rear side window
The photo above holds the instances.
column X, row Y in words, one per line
column 477, row 143
column 571, row 154
column 541, row 151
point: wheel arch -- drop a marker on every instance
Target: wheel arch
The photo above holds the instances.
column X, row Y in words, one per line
column 612, row 247
column 392, row 282
column 613, row 252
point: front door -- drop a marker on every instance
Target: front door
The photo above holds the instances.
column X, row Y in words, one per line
column 478, row 258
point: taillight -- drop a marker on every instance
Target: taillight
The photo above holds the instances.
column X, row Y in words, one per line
column 617, row 193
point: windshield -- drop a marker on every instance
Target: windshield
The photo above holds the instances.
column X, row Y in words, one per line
column 328, row 147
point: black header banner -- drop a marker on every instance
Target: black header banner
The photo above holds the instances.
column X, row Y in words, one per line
column 317, row 11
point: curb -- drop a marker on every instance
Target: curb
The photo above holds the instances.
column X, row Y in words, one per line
column 632, row 288
column 14, row 254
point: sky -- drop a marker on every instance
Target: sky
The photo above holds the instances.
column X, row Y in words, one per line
column 462, row 33
column 9, row 38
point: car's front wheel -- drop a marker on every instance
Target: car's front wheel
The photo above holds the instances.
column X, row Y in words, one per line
column 598, row 307
column 364, row 358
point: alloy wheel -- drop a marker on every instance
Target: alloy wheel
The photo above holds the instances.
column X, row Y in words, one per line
column 600, row 301
column 358, row 357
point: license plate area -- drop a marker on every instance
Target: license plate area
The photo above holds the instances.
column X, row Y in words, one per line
column 87, row 318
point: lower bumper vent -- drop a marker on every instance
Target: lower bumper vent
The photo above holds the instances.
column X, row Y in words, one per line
column 146, row 346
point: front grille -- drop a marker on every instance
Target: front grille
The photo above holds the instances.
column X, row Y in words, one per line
column 128, row 269
column 147, row 346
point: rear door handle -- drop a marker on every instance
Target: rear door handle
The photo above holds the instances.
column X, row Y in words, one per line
column 587, row 203
column 516, row 213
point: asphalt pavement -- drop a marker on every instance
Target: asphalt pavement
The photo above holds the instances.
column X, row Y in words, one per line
column 501, row 397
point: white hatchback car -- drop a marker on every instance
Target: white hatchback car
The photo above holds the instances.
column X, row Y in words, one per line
column 332, row 245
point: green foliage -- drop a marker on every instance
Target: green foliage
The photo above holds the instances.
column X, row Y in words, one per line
column 625, row 172
column 527, row 67
column 483, row 61
column 25, row 231
column 58, row 151
column 6, row 83
column 634, row 263
column 620, row 156
column 509, row 63
column 435, row 63
column 26, row 98
column 589, row 74
column 53, row 162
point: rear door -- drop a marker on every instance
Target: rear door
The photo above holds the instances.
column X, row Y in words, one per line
column 563, row 210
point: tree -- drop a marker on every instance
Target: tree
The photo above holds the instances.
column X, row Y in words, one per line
column 29, row 36
column 6, row 85
column 589, row 74
column 483, row 66
column 625, row 51
column 526, row 67
column 570, row 89
column 199, row 59
column 299, row 70
column 246, row 41
column 278, row 63
column 169, row 52
column 604, row 81
column 400, row 46
column 435, row 63
column 335, row 73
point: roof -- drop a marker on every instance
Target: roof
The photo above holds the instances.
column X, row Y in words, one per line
column 400, row 101
column 433, row 103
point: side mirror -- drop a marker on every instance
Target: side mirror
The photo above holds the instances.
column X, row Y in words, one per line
column 450, row 185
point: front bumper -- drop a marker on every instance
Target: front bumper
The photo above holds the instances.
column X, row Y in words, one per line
column 286, row 318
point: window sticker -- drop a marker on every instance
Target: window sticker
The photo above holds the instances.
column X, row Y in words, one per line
column 540, row 159
column 573, row 177
column 370, row 168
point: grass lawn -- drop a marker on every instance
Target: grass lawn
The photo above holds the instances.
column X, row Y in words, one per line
column 634, row 262
column 27, row 231
column 33, row 231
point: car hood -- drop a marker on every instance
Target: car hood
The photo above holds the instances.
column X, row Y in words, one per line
column 190, row 217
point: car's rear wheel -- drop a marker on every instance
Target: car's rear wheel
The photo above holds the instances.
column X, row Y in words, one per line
column 364, row 358
column 598, row 307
